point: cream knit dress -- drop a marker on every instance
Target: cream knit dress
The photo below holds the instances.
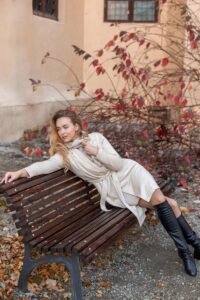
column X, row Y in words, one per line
column 121, row 182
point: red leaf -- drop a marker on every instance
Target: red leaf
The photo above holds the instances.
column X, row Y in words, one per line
column 186, row 159
column 188, row 114
column 183, row 102
column 110, row 44
column 191, row 35
column 95, row 62
column 99, row 91
column 193, row 44
column 100, row 53
column 123, row 56
column 144, row 77
column 133, row 71
column 140, row 102
column 99, row 97
column 121, row 68
column 145, row 134
column 157, row 63
column 162, row 131
column 100, row 70
column 99, row 94
column 131, row 36
column 165, row 61
column 182, row 182
column 82, row 85
column 133, row 103
column 38, row 151
column 124, row 75
column 118, row 106
column 141, row 42
column 182, row 86
column 85, row 125
column 157, row 102
column 128, row 62
column 28, row 150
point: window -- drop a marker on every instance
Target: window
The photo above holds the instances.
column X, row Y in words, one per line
column 131, row 10
column 46, row 8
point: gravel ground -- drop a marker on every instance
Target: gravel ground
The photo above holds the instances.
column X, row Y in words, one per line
column 141, row 265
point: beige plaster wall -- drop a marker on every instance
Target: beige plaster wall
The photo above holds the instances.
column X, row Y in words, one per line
column 25, row 38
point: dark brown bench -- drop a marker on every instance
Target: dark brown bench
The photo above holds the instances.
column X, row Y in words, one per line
column 60, row 215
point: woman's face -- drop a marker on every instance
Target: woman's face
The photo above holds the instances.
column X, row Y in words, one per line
column 67, row 131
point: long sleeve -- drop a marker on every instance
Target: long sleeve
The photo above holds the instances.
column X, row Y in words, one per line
column 52, row 164
column 107, row 155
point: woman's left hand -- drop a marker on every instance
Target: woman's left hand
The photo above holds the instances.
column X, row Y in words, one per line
column 89, row 148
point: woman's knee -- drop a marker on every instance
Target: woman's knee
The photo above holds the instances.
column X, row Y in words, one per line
column 157, row 197
column 172, row 203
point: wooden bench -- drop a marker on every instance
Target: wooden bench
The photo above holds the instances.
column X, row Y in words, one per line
column 60, row 215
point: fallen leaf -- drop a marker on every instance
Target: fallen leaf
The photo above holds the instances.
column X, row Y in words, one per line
column 184, row 190
column 51, row 284
column 160, row 285
column 119, row 242
column 184, row 210
column 99, row 293
column 32, row 287
column 105, row 284
column 87, row 282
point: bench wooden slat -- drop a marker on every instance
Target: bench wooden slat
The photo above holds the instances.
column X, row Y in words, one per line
column 65, row 220
column 72, row 229
column 96, row 228
column 65, row 208
column 45, row 188
column 30, row 182
column 88, row 229
column 64, row 203
column 39, row 199
column 91, row 249
column 50, row 203
column 35, row 189
column 84, row 230
column 102, row 229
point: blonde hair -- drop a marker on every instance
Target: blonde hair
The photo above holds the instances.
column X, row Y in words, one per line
column 57, row 145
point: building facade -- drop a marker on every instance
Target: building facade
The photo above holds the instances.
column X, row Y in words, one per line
column 31, row 28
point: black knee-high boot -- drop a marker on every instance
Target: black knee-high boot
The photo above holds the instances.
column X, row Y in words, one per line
column 190, row 236
column 170, row 223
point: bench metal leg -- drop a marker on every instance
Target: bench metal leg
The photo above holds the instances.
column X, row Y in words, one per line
column 76, row 278
column 72, row 264
column 27, row 267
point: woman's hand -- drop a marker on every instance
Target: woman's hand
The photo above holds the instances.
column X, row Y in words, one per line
column 11, row 176
column 89, row 148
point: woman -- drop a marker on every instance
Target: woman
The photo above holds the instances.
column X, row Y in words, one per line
column 120, row 182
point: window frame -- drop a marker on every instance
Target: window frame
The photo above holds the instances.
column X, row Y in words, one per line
column 131, row 13
column 43, row 13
